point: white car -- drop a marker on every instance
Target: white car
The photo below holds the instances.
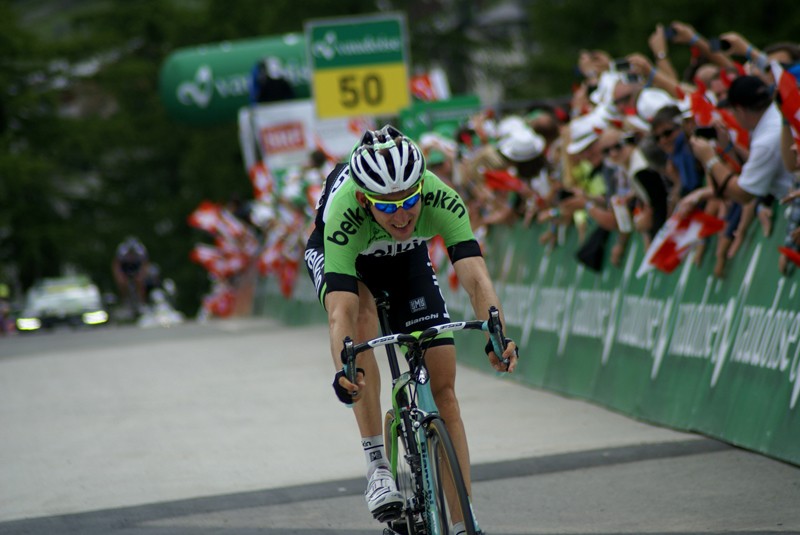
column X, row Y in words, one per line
column 73, row 301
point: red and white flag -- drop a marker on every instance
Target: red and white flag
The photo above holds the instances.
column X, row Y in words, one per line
column 263, row 182
column 789, row 96
column 705, row 112
column 676, row 239
column 206, row 217
column 791, row 254
column 498, row 179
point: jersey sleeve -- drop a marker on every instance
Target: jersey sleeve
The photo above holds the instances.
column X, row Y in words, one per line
column 346, row 234
column 446, row 214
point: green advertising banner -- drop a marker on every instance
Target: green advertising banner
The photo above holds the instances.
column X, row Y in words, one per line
column 442, row 115
column 687, row 350
column 209, row 83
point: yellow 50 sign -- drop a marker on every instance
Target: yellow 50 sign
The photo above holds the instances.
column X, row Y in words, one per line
column 369, row 90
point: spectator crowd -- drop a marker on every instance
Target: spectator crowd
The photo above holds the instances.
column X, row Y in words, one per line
column 639, row 144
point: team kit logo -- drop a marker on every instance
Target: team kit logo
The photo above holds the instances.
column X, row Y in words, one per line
column 417, row 304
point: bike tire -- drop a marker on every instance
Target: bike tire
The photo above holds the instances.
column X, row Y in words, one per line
column 404, row 479
column 446, row 469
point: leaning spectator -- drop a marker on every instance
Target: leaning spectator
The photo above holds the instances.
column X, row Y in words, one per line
column 763, row 173
column 584, row 172
column 647, row 185
column 792, row 237
column 671, row 133
column 599, row 208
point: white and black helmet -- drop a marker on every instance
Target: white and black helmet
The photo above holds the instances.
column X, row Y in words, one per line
column 386, row 161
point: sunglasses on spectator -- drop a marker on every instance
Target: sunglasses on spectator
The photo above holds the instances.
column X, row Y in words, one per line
column 665, row 134
column 390, row 207
column 615, row 147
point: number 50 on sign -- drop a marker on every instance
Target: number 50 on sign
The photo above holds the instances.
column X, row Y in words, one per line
column 371, row 90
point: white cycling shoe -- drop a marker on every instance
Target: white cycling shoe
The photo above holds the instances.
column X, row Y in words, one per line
column 383, row 499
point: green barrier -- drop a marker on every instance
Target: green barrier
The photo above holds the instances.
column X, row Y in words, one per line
column 686, row 350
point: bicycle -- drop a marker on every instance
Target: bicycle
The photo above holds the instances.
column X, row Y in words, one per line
column 428, row 469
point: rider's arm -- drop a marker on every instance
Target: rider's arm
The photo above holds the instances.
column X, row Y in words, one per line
column 474, row 278
column 342, row 310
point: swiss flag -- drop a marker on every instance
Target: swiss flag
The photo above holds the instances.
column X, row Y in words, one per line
column 206, row 217
column 705, row 112
column 422, row 88
column 676, row 238
column 263, row 182
column 789, row 96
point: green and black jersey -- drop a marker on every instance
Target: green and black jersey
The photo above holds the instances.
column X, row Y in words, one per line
column 346, row 232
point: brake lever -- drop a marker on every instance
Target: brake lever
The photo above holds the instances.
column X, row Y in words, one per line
column 349, row 360
column 496, row 335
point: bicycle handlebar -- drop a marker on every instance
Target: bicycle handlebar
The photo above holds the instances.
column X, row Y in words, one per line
column 492, row 326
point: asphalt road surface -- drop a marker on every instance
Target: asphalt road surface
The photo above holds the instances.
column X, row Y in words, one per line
column 231, row 428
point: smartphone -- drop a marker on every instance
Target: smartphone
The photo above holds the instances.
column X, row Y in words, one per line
column 564, row 194
column 718, row 45
column 622, row 65
column 670, row 33
column 631, row 78
column 706, row 132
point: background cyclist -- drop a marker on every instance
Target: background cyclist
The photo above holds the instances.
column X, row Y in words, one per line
column 130, row 264
column 373, row 219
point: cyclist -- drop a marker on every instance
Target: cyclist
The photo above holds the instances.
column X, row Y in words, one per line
column 130, row 264
column 373, row 219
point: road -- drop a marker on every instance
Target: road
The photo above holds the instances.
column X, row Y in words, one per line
column 231, row 427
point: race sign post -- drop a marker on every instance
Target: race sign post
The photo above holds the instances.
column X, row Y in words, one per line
column 359, row 65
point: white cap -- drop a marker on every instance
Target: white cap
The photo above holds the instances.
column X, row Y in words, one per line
column 521, row 145
column 652, row 99
column 510, row 124
column 583, row 131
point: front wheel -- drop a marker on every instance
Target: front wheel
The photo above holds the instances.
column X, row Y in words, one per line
column 450, row 498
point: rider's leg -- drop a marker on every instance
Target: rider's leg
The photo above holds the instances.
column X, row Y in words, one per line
column 441, row 363
column 383, row 499
column 368, row 409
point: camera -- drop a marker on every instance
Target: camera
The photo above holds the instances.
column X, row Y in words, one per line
column 670, row 33
column 706, row 132
column 622, row 65
column 718, row 45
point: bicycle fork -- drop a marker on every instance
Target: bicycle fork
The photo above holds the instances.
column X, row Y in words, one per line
column 411, row 418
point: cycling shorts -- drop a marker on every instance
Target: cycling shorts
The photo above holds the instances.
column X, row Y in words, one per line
column 408, row 280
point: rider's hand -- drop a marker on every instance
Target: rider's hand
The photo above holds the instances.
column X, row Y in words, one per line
column 511, row 353
column 347, row 392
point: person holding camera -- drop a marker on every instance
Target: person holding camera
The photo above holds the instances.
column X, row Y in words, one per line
column 763, row 174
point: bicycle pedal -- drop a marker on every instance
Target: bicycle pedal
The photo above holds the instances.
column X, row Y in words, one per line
column 388, row 512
